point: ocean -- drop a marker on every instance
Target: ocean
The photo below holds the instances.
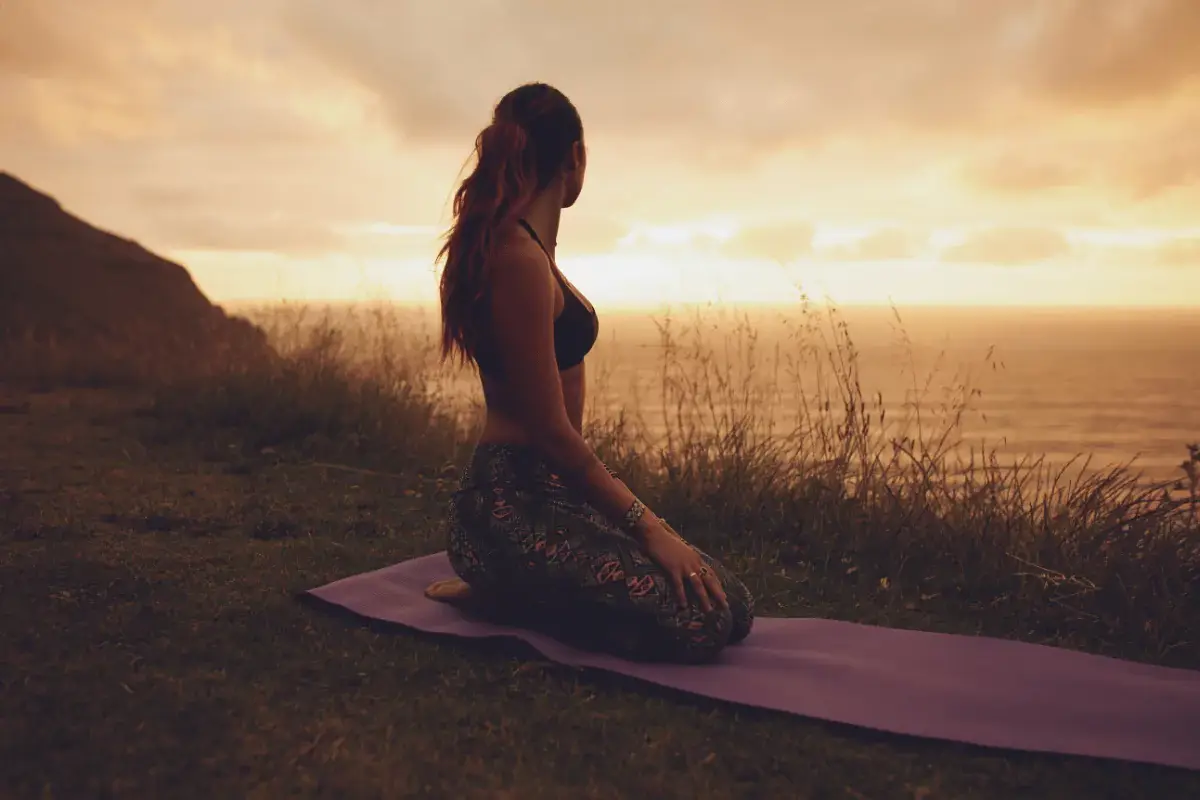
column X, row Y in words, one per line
column 1115, row 385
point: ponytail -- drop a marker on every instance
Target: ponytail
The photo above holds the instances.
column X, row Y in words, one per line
column 495, row 193
column 531, row 134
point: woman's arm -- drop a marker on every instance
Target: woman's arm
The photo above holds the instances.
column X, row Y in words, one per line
column 574, row 386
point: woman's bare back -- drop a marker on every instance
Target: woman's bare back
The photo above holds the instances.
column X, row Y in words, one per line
column 504, row 396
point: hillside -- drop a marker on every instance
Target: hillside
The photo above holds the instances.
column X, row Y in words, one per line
column 70, row 291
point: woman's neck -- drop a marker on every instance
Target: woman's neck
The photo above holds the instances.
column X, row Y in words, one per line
column 544, row 214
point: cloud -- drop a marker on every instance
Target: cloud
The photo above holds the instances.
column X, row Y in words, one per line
column 1166, row 157
column 308, row 114
column 782, row 242
column 761, row 71
column 33, row 45
column 1179, row 253
column 1099, row 53
column 71, row 71
column 728, row 81
column 262, row 233
column 582, row 233
column 1009, row 246
column 882, row 245
column 1017, row 174
column 1160, row 163
column 138, row 70
column 382, row 240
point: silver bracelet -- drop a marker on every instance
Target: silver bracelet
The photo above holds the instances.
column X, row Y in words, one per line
column 634, row 515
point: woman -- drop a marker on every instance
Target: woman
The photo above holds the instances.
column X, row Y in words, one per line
column 540, row 527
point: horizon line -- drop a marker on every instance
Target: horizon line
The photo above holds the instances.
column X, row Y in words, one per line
column 747, row 305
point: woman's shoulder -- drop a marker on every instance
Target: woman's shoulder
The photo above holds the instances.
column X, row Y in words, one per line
column 513, row 241
column 516, row 257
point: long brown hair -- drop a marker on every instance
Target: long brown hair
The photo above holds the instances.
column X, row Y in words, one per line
column 529, row 140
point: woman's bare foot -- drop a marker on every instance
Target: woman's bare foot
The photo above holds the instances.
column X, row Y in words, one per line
column 452, row 590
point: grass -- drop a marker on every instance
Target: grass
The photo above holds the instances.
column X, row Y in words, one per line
column 153, row 540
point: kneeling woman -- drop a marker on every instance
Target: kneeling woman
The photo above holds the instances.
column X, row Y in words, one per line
column 540, row 525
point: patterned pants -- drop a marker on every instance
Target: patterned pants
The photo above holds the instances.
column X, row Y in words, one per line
column 534, row 553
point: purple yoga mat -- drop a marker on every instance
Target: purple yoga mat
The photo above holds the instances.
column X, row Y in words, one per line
column 970, row 689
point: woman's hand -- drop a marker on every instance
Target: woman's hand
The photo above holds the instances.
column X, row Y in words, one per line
column 682, row 564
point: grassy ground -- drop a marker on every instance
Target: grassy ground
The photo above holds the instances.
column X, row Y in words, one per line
column 151, row 642
column 153, row 646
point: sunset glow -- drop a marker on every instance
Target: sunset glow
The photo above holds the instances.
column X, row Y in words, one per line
column 1023, row 153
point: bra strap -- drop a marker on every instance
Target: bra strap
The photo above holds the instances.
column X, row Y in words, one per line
column 529, row 229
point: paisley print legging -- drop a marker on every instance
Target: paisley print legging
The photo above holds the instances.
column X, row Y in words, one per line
column 535, row 553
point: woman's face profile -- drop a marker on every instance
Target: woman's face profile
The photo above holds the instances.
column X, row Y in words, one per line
column 573, row 176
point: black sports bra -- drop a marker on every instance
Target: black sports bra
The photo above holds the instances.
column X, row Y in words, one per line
column 575, row 329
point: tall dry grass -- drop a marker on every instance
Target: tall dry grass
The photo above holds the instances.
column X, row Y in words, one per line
column 857, row 506
column 900, row 506
column 351, row 386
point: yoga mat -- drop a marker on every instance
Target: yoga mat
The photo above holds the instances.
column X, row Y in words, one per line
column 971, row 689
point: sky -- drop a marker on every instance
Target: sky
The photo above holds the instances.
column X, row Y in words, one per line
column 1029, row 152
